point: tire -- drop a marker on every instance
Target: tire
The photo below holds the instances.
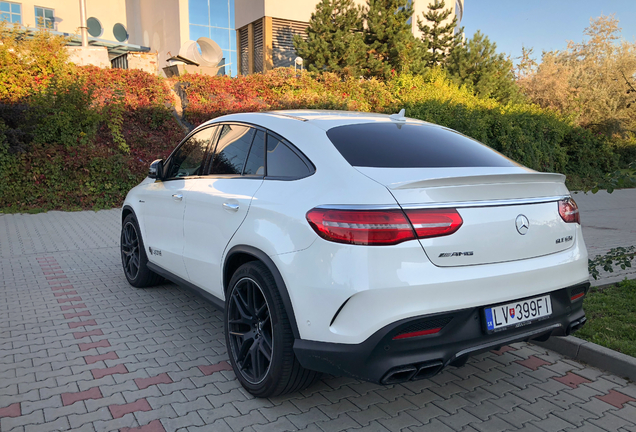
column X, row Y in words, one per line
column 133, row 256
column 251, row 335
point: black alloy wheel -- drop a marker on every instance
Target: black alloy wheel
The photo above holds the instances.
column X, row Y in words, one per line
column 130, row 250
column 133, row 256
column 258, row 334
column 250, row 330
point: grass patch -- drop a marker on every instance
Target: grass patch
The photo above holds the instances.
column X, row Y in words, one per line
column 611, row 314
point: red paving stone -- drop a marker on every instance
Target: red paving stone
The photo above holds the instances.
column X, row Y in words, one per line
column 80, row 335
column 143, row 383
column 533, row 362
column 210, row 369
column 71, row 398
column 108, row 356
column 504, row 349
column 99, row 373
column 118, row 411
column 76, row 314
column 52, row 272
column 63, row 293
column 12, row 410
column 61, row 287
column 68, row 300
column 153, row 426
column 616, row 399
column 69, row 307
column 82, row 323
column 572, row 380
column 99, row 344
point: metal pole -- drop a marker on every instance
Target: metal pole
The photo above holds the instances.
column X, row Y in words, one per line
column 83, row 28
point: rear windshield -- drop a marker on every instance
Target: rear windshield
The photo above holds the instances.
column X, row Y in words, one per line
column 387, row 145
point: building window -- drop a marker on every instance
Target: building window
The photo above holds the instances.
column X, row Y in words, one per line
column 120, row 32
column 95, row 28
column 10, row 12
column 44, row 18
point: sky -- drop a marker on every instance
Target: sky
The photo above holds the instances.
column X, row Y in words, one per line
column 544, row 25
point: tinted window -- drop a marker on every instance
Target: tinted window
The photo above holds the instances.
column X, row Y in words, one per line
column 231, row 150
column 387, row 145
column 256, row 160
column 189, row 158
column 282, row 161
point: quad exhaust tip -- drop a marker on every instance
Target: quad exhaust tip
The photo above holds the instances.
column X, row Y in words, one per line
column 420, row 371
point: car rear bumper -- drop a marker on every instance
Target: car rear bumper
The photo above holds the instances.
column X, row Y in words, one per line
column 383, row 359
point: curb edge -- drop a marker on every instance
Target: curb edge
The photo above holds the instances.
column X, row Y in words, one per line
column 592, row 354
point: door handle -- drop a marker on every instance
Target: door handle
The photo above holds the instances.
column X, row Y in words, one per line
column 233, row 207
column 177, row 197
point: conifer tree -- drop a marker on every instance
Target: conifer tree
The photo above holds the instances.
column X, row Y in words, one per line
column 440, row 38
column 391, row 46
column 334, row 41
column 477, row 64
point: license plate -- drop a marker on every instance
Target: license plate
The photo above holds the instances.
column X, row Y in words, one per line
column 517, row 314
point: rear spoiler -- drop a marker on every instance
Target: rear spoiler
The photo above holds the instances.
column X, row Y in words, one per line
column 534, row 177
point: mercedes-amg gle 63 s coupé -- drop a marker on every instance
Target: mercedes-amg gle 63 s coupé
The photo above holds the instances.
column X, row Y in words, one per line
column 377, row 247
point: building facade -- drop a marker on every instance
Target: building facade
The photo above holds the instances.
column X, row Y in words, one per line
column 263, row 39
column 160, row 26
column 265, row 29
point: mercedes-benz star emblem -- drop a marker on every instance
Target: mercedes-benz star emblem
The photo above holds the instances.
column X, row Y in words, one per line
column 522, row 224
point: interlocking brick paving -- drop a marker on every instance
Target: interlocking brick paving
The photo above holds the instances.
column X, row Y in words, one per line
column 112, row 357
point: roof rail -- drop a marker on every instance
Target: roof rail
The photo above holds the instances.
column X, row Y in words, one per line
column 285, row 115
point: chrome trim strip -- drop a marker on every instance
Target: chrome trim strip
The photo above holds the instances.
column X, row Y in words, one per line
column 461, row 204
column 359, row 207
column 494, row 203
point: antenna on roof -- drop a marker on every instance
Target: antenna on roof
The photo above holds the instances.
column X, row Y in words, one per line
column 399, row 117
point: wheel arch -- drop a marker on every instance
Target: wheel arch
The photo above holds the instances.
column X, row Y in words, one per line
column 239, row 255
column 125, row 211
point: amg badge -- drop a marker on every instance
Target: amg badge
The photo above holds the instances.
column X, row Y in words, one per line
column 154, row 251
column 455, row 254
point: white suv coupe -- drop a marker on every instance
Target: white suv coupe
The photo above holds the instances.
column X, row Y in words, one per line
column 374, row 246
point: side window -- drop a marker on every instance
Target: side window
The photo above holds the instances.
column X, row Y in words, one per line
column 231, row 150
column 255, row 165
column 189, row 158
column 283, row 162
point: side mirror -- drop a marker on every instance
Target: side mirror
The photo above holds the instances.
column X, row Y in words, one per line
column 156, row 169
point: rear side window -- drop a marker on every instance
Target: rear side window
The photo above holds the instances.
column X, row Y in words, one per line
column 283, row 161
column 387, row 145
column 255, row 165
column 232, row 148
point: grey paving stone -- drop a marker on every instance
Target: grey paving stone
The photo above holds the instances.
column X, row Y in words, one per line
column 165, row 412
column 459, row 419
column 552, row 423
column 277, row 411
column 302, row 420
column 127, row 420
column 51, row 414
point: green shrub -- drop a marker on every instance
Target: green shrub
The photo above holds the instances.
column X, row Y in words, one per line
column 64, row 113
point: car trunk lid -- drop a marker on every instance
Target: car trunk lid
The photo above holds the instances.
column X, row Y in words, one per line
column 508, row 213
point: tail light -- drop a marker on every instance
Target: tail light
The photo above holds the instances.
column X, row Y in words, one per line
column 569, row 211
column 382, row 227
column 434, row 223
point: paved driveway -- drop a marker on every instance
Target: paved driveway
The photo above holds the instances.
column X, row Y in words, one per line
column 82, row 350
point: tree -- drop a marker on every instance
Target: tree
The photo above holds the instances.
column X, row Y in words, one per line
column 440, row 38
column 477, row 64
column 595, row 79
column 391, row 46
column 334, row 40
